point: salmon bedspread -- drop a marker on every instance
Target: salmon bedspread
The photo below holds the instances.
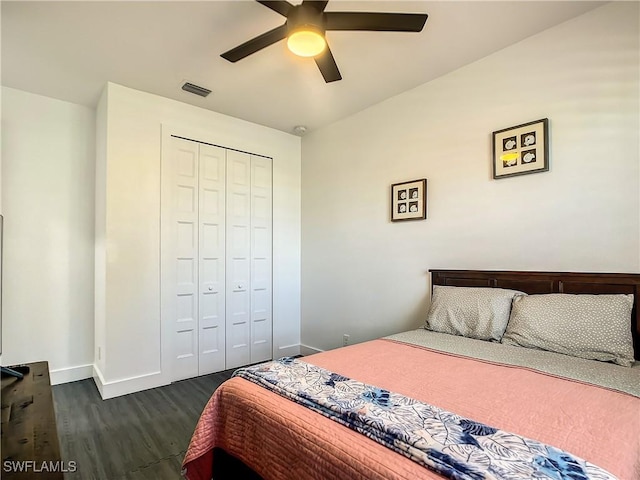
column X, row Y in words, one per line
column 280, row 439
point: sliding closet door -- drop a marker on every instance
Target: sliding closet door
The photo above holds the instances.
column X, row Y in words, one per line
column 261, row 248
column 212, row 259
column 238, row 258
column 179, row 265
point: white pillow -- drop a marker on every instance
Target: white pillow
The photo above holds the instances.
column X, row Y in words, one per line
column 473, row 312
column 596, row 327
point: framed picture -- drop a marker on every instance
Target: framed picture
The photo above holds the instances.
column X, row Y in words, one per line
column 409, row 200
column 521, row 149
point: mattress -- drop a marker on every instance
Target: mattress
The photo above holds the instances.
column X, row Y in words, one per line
column 280, row 439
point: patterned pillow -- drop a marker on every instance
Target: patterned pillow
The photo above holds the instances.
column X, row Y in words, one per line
column 597, row 327
column 472, row 312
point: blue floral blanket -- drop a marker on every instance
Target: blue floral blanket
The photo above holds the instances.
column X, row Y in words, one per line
column 454, row 446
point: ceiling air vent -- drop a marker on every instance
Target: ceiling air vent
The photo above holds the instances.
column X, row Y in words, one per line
column 195, row 89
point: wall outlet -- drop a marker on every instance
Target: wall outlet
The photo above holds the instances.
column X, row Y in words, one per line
column 345, row 340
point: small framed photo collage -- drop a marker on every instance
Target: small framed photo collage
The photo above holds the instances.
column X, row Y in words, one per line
column 409, row 200
column 521, row 149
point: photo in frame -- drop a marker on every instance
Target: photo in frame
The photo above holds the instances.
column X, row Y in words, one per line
column 521, row 149
column 409, row 200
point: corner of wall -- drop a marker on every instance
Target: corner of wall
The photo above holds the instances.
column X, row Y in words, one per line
column 100, row 230
column 288, row 351
column 307, row 350
column 71, row 374
column 125, row 386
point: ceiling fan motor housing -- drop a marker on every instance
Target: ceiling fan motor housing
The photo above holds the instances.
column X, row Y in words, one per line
column 305, row 16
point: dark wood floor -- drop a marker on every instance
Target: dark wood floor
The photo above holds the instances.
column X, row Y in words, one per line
column 134, row 437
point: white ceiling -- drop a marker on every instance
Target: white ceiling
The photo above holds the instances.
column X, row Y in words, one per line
column 68, row 50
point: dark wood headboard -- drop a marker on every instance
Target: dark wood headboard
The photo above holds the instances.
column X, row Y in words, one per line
column 550, row 282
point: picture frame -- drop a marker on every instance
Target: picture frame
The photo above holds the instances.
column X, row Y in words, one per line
column 409, row 200
column 521, row 150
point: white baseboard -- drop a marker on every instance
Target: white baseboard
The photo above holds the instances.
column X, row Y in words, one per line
column 98, row 379
column 307, row 350
column 70, row 374
column 288, row 351
column 117, row 388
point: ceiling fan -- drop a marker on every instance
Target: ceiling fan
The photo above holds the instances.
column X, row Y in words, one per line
column 307, row 23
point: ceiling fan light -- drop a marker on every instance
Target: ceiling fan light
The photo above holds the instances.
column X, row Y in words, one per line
column 306, row 42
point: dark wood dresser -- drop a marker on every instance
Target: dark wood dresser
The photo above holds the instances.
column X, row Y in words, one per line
column 30, row 447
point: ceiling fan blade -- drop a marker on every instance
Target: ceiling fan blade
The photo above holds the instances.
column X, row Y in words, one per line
column 319, row 5
column 385, row 22
column 279, row 6
column 328, row 67
column 255, row 44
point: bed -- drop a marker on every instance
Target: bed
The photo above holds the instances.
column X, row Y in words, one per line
column 586, row 407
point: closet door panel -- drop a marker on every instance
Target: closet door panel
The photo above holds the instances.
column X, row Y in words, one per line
column 238, row 233
column 261, row 259
column 179, row 226
column 212, row 327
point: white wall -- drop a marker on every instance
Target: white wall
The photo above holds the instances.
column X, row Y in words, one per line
column 132, row 329
column 367, row 277
column 47, row 197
